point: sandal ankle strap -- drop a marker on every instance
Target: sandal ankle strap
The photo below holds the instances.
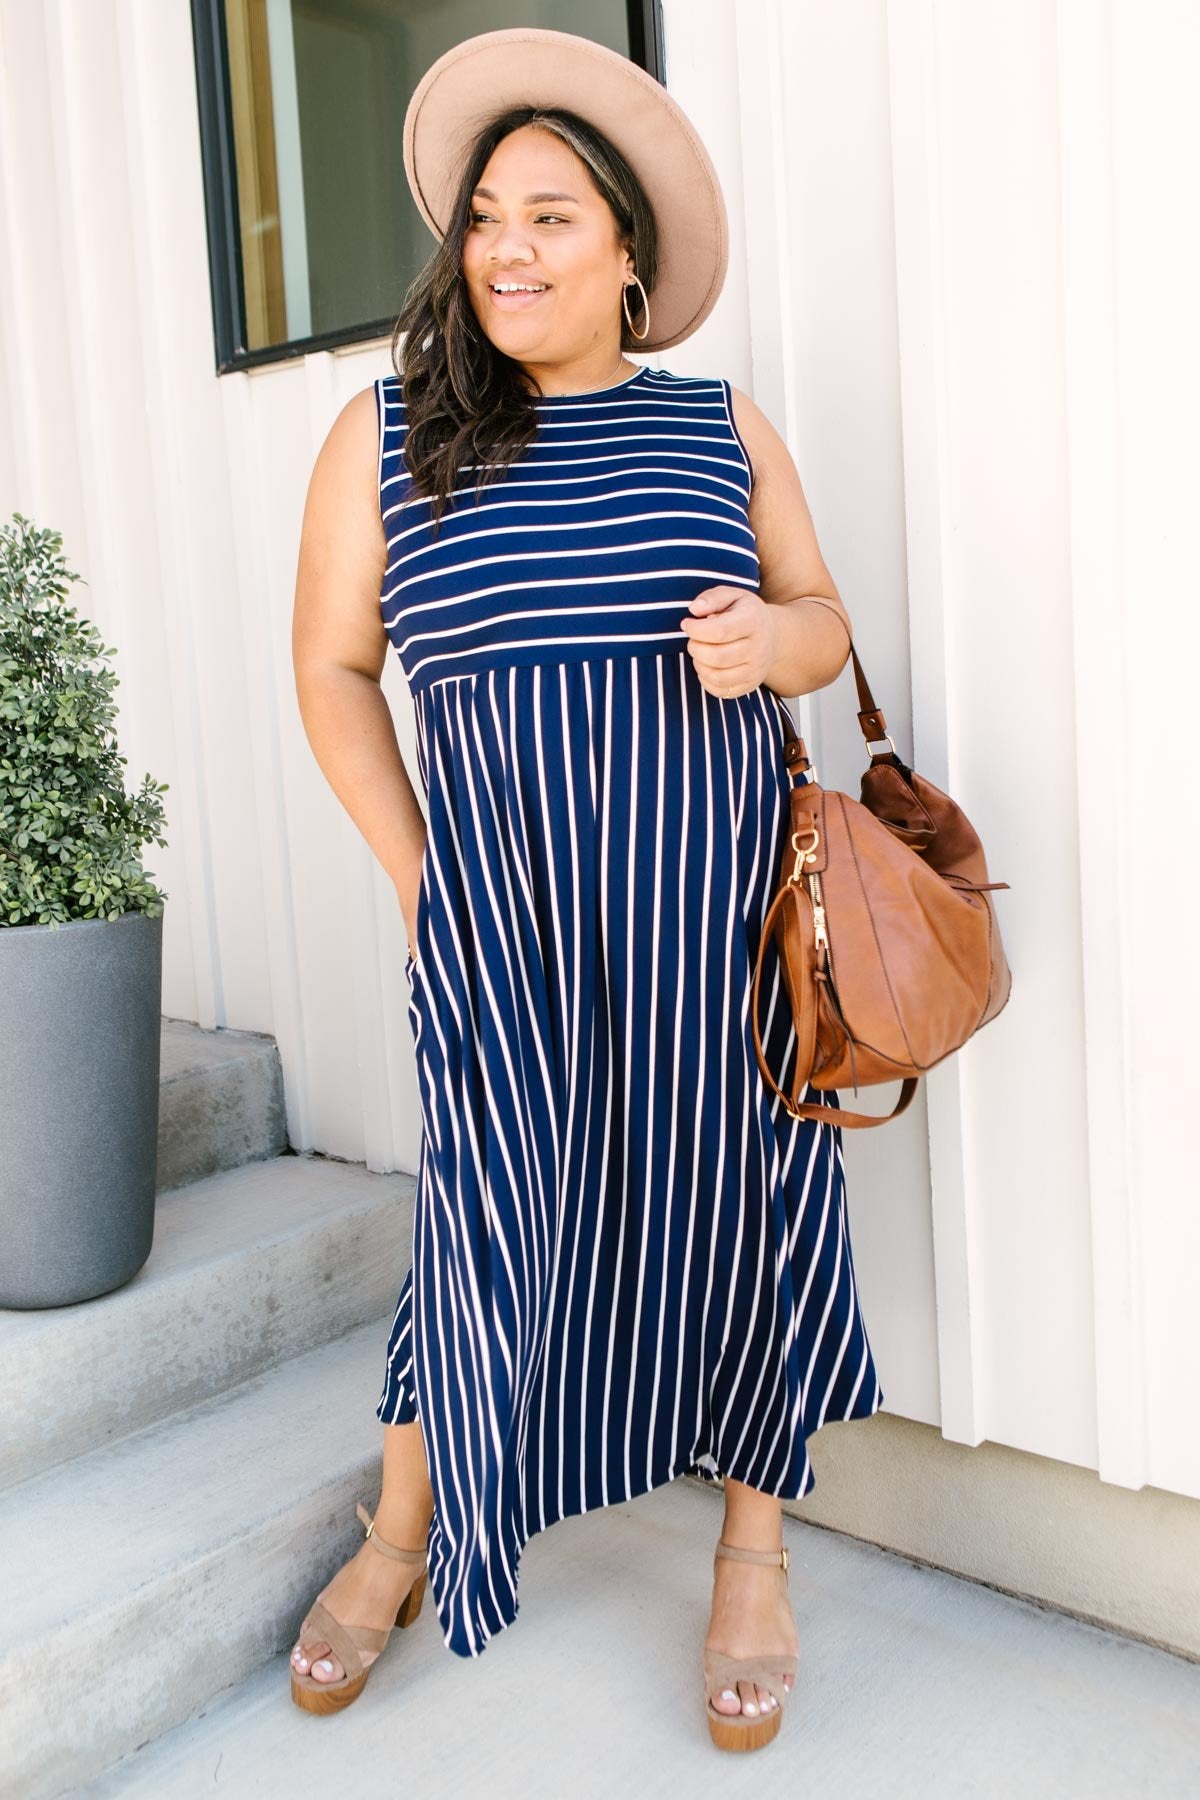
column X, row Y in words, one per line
column 779, row 1557
column 382, row 1545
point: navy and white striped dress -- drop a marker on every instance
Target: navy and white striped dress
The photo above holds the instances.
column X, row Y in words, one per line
column 628, row 1263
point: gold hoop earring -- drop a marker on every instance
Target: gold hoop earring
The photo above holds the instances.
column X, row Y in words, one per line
column 639, row 335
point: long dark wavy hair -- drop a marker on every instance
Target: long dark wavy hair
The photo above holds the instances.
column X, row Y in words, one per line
column 466, row 402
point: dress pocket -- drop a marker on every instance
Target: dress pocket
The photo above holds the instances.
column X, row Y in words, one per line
column 412, row 974
column 420, row 925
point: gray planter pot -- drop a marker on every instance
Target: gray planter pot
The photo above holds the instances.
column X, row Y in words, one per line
column 82, row 1006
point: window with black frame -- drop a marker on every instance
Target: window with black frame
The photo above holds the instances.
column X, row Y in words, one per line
column 313, row 236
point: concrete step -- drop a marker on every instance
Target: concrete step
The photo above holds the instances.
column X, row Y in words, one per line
column 913, row 1683
column 248, row 1267
column 220, row 1102
column 141, row 1579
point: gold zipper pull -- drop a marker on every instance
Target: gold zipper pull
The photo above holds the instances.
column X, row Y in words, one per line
column 818, row 905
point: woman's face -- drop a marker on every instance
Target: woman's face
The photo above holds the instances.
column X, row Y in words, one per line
column 537, row 218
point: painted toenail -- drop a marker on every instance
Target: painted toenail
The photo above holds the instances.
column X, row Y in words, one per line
column 729, row 1694
column 749, row 1706
column 325, row 1666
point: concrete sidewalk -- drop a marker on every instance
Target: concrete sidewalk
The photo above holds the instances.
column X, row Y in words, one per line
column 913, row 1682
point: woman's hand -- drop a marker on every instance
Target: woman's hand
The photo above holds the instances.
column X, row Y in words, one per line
column 731, row 639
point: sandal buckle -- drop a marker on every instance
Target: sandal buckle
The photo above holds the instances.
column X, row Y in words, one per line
column 785, row 1559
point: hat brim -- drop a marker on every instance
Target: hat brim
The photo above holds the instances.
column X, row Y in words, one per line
column 526, row 65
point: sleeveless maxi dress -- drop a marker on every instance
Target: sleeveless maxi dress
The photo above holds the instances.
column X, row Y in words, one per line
column 628, row 1263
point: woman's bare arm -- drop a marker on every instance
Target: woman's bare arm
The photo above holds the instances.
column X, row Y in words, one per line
column 339, row 648
column 815, row 631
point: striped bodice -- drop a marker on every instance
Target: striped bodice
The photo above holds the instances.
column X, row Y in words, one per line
column 629, row 502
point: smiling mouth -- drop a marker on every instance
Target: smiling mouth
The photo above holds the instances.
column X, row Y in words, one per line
column 519, row 293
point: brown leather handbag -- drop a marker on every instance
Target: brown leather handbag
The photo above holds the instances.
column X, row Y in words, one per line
column 886, row 931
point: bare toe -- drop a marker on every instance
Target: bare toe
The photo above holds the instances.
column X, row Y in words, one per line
column 327, row 1668
column 314, row 1658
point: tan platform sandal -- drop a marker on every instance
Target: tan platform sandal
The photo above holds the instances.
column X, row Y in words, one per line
column 348, row 1641
column 747, row 1731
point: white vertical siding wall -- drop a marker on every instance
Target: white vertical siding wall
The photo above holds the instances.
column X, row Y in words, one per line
column 961, row 285
column 977, row 281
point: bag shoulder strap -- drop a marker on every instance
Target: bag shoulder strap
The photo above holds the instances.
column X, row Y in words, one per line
column 870, row 717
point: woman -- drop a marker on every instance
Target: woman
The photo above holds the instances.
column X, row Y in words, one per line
column 627, row 1265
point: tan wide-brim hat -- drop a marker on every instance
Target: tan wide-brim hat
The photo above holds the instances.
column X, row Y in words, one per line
column 530, row 66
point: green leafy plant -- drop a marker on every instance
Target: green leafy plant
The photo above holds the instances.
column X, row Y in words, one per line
column 70, row 835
